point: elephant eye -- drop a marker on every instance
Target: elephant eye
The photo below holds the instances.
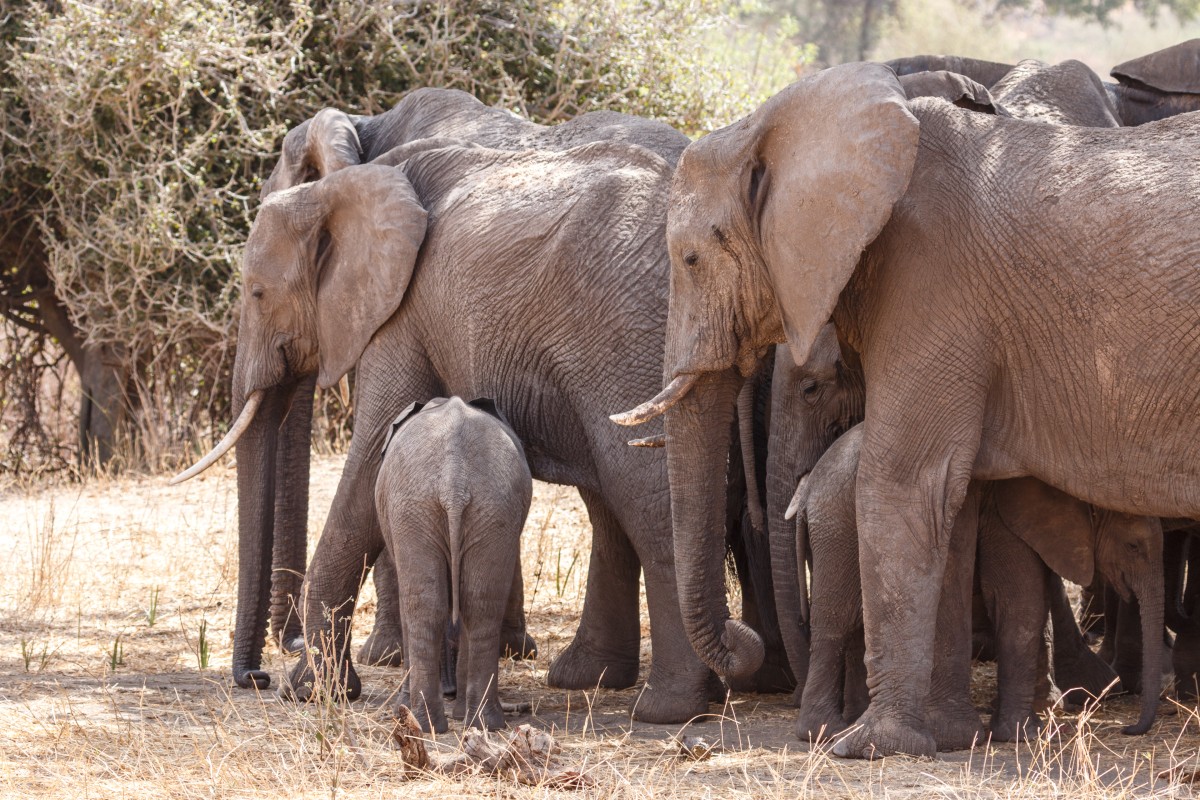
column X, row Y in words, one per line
column 257, row 292
column 809, row 388
column 690, row 259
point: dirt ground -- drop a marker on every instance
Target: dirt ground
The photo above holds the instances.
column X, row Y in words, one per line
column 117, row 600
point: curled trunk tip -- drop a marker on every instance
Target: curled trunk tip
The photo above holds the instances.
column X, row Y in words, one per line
column 226, row 444
column 675, row 391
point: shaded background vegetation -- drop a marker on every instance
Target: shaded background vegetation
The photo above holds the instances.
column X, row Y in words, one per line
column 134, row 136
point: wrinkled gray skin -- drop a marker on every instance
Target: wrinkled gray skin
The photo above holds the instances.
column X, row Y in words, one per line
column 540, row 281
column 273, row 457
column 836, row 692
column 452, row 495
column 815, row 403
column 1023, row 525
column 1154, row 86
column 1026, row 527
column 979, row 361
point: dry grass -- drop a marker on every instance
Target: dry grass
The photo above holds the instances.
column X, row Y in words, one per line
column 97, row 702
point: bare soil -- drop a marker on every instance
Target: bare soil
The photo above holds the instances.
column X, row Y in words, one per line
column 116, row 618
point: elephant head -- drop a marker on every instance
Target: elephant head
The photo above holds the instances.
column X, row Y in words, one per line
column 767, row 221
column 326, row 264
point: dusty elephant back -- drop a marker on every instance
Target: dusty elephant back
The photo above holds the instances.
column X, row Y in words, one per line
column 1054, row 224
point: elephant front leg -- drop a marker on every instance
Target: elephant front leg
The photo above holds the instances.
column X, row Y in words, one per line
column 951, row 717
column 906, row 513
column 350, row 542
column 604, row 651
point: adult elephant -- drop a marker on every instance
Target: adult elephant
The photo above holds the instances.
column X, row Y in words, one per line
column 1151, row 87
column 273, row 459
column 541, row 282
column 991, row 348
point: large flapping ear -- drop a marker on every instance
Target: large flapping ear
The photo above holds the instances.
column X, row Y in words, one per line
column 1056, row 525
column 985, row 72
column 835, row 152
column 373, row 230
column 1174, row 69
column 409, row 411
column 958, row 89
column 313, row 149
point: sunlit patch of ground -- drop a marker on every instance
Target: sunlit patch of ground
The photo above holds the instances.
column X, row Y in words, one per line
column 95, row 701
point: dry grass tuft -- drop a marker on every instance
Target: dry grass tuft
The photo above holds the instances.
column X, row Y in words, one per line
column 104, row 690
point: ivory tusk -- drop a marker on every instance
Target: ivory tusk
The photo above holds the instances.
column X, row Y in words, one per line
column 344, row 390
column 672, row 394
column 658, row 440
column 230, row 439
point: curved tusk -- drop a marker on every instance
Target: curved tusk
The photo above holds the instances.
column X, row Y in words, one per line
column 672, row 394
column 239, row 427
column 344, row 390
column 658, row 440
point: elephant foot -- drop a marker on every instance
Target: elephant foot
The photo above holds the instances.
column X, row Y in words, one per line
column 1016, row 727
column 876, row 736
column 1083, row 679
column 432, row 716
column 489, row 717
column 669, row 705
column 576, row 668
column 316, row 679
column 955, row 726
column 517, row 645
column 383, row 648
column 819, row 725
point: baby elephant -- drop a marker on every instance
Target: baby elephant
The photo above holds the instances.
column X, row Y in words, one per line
column 452, row 495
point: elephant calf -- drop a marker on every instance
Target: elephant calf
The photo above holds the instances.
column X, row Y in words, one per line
column 452, row 495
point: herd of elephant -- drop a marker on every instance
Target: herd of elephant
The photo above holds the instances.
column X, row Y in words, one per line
column 985, row 288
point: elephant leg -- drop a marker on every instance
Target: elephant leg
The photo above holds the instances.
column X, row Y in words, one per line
column 515, row 641
column 426, row 615
column 1013, row 579
column 906, row 504
column 1185, row 658
column 290, row 545
column 484, row 600
column 1112, row 608
column 351, row 540
column 678, row 686
column 1128, row 646
column 821, row 715
column 855, row 696
column 605, row 649
column 1185, row 655
column 1078, row 672
column 450, row 663
column 949, row 713
column 385, row 646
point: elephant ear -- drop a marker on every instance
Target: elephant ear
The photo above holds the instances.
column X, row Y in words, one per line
column 958, row 89
column 835, row 153
column 1174, row 69
column 488, row 406
column 374, row 227
column 1056, row 525
column 409, row 411
column 313, row 149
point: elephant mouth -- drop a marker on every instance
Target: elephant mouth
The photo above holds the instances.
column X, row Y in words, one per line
column 675, row 391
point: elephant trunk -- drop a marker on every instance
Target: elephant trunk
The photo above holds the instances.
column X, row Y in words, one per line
column 745, row 410
column 698, row 433
column 783, row 468
column 1149, row 593
column 290, row 545
column 256, row 478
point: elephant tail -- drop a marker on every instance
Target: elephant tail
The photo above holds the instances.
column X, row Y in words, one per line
column 454, row 513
